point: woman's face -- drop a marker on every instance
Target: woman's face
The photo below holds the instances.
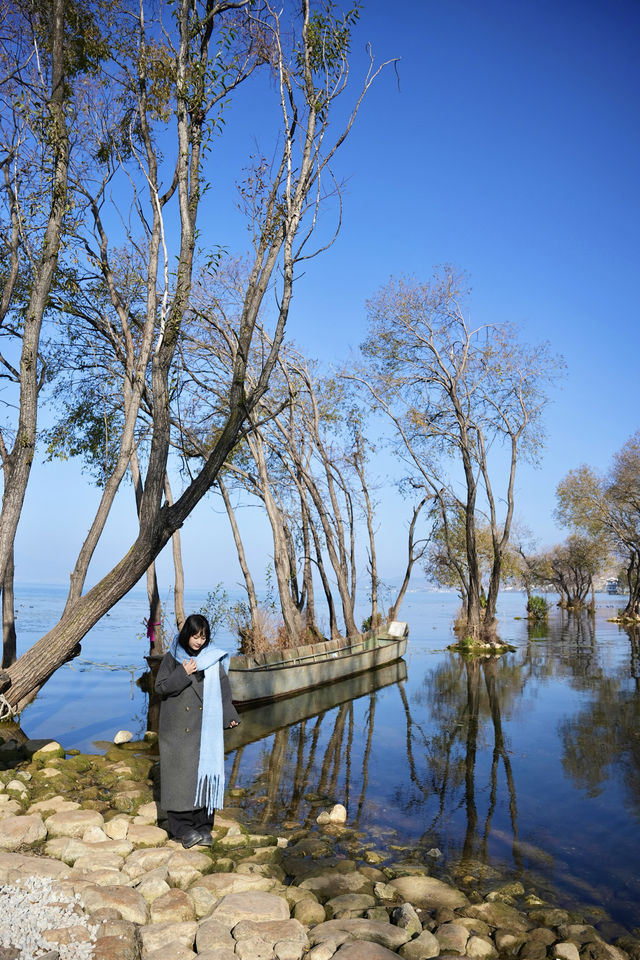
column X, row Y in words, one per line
column 197, row 641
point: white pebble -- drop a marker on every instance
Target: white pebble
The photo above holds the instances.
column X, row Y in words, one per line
column 32, row 906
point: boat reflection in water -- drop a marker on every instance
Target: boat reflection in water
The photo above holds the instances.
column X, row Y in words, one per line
column 306, row 744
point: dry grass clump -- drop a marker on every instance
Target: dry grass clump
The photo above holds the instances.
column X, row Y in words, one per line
column 267, row 633
column 260, row 636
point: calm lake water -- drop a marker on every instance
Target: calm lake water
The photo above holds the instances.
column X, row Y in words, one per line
column 528, row 764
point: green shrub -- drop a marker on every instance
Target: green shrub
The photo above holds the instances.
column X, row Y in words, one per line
column 537, row 608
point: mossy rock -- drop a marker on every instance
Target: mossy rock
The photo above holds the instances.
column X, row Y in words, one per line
column 102, row 806
column 79, row 763
column 44, row 753
column 136, row 746
column 89, row 793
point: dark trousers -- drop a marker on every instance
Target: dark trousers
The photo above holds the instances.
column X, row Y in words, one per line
column 180, row 821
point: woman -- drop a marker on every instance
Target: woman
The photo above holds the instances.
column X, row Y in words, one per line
column 196, row 706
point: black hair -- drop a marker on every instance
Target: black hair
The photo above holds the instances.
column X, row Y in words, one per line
column 195, row 623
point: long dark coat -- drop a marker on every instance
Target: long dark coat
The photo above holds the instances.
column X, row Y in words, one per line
column 180, row 728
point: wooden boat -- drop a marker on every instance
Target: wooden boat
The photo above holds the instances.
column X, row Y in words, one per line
column 262, row 720
column 263, row 677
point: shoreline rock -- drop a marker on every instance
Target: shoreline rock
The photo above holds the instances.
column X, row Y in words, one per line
column 82, row 836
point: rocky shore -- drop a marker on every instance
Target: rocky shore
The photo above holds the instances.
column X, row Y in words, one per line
column 87, row 871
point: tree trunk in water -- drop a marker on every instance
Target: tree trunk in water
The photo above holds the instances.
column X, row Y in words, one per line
column 411, row 559
column 281, row 560
column 333, row 626
column 489, row 621
column 8, row 615
column 155, row 633
column 473, row 707
column 242, row 559
column 178, row 569
column 307, row 577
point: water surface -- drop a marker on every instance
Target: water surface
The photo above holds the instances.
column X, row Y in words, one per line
column 527, row 765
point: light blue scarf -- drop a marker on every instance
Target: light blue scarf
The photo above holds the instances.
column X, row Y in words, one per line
column 210, row 784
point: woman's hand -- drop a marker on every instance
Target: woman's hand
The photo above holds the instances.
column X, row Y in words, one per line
column 234, row 723
column 191, row 665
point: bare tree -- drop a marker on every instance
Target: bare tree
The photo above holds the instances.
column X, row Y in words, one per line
column 607, row 507
column 35, row 140
column 465, row 402
column 310, row 71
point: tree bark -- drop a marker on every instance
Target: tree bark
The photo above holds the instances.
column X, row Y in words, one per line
column 155, row 632
column 412, row 558
column 178, row 568
column 8, row 615
column 242, row 558
column 18, row 468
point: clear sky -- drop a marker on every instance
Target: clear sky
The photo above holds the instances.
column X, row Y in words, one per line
column 507, row 143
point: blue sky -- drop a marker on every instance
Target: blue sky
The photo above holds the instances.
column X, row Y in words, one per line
column 507, row 143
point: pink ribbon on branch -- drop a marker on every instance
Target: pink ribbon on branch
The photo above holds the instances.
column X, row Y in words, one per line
column 151, row 633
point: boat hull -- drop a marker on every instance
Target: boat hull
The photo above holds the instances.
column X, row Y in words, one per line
column 263, row 719
column 254, row 682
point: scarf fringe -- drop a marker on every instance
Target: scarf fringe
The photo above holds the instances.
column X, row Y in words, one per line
column 210, row 792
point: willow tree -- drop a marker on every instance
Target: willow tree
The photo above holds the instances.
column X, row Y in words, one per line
column 166, row 74
column 465, row 402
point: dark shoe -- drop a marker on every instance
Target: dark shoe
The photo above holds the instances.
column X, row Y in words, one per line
column 190, row 838
column 205, row 837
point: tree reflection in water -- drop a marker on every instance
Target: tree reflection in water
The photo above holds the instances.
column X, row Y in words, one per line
column 492, row 761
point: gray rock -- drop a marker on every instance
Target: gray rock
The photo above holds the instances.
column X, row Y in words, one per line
column 322, row 951
column 217, row 953
column 123, row 736
column 288, row 950
column 332, row 884
column 130, row 904
column 533, row 950
column 452, row 937
column 407, row 919
column 349, row 905
column 422, row 947
column 211, row 934
column 363, row 950
column 73, row 823
column 507, row 941
column 549, row 916
column 221, row 884
column 565, row 950
column 16, row 831
column 158, row 935
column 254, row 905
column 428, row 892
column 271, row 931
column 480, row 948
column 578, row 932
column 543, row 934
column 499, row 915
column 174, row 906
column 372, row 931
column 254, row 949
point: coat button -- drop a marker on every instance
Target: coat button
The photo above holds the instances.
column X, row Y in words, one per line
column 186, row 729
column 186, row 708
